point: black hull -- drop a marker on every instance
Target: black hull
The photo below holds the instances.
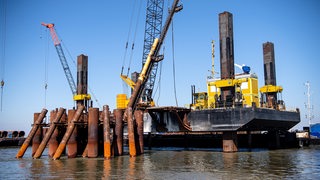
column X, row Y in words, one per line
column 242, row 119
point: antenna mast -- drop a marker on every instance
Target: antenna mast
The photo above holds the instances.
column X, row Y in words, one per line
column 309, row 115
column 212, row 51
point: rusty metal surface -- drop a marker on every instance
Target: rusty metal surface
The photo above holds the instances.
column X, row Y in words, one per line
column 67, row 135
column 118, row 138
column 131, row 136
column 226, row 45
column 93, row 132
column 72, row 145
column 226, row 56
column 106, row 132
column 82, row 74
column 53, row 142
column 36, row 140
column 85, row 152
column 31, row 134
column 269, row 64
column 49, row 133
column 230, row 141
column 138, row 114
column 269, row 72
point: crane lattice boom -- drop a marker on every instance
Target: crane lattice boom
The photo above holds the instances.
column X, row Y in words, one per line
column 152, row 30
column 62, row 58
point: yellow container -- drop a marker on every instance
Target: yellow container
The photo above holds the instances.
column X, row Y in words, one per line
column 121, row 101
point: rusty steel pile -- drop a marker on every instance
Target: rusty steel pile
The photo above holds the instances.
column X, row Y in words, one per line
column 83, row 133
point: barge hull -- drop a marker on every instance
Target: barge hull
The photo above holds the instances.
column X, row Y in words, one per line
column 242, row 119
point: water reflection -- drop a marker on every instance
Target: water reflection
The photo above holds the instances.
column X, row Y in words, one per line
column 230, row 160
column 37, row 167
column 169, row 164
column 107, row 168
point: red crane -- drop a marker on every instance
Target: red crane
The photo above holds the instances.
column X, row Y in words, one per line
column 65, row 65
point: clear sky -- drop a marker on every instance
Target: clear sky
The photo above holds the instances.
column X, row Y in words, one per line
column 100, row 30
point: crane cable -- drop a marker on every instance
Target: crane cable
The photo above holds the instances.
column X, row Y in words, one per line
column 2, row 63
column 173, row 65
column 128, row 36
column 158, row 87
column 46, row 65
column 159, row 84
column 134, row 38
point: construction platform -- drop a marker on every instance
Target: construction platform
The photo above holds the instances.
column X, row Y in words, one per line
column 245, row 127
column 220, row 119
column 242, row 119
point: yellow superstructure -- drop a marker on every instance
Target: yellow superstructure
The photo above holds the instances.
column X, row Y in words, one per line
column 201, row 100
column 246, row 90
column 271, row 89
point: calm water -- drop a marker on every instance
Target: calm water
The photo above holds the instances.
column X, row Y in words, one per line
column 168, row 164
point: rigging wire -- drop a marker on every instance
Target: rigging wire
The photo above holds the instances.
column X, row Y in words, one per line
column 128, row 36
column 46, row 65
column 173, row 65
column 65, row 47
column 158, row 87
column 159, row 84
column 2, row 63
column 134, row 37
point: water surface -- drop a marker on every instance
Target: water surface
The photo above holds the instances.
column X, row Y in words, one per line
column 168, row 163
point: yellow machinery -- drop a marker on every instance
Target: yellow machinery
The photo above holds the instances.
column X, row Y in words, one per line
column 200, row 100
column 128, row 81
column 269, row 97
column 122, row 99
column 245, row 85
column 246, row 90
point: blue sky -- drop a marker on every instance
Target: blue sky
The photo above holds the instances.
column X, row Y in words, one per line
column 100, row 29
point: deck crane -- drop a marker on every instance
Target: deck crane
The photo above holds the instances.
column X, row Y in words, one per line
column 152, row 30
column 153, row 25
column 144, row 75
column 152, row 58
column 65, row 66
